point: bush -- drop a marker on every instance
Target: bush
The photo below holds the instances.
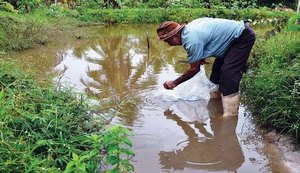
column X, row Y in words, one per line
column 294, row 23
column 21, row 31
column 6, row 7
column 26, row 6
column 272, row 89
column 178, row 14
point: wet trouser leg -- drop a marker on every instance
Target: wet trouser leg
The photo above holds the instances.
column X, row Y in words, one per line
column 227, row 71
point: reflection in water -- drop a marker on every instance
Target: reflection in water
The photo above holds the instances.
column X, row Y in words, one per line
column 114, row 66
column 219, row 150
column 190, row 111
column 107, row 67
column 114, row 63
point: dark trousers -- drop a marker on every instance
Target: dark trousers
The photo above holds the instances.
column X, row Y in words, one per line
column 227, row 70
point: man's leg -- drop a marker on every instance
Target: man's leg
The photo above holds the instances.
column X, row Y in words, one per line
column 216, row 70
column 235, row 61
column 234, row 65
column 215, row 76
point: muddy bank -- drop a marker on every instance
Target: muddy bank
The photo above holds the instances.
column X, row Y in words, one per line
column 282, row 147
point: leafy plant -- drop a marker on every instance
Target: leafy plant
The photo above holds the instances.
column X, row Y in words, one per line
column 47, row 130
column 115, row 152
column 88, row 161
column 116, row 146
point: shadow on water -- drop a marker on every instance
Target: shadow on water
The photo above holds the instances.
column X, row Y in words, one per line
column 169, row 136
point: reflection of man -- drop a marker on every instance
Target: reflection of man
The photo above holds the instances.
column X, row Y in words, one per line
column 217, row 151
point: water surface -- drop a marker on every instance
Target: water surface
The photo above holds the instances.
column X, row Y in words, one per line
column 169, row 136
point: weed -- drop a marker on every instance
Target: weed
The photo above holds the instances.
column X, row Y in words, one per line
column 47, row 130
column 271, row 90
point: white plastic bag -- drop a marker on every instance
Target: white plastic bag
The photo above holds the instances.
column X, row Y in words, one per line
column 196, row 88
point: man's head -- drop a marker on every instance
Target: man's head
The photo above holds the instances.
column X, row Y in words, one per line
column 170, row 32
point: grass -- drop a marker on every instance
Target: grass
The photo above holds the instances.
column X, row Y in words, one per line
column 18, row 32
column 48, row 130
column 23, row 31
column 272, row 88
column 294, row 23
column 158, row 15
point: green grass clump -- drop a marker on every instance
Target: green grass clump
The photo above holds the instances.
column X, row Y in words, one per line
column 43, row 129
column 272, row 88
column 6, row 7
column 294, row 23
column 40, row 127
column 19, row 32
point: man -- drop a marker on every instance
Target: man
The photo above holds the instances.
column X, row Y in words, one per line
column 228, row 40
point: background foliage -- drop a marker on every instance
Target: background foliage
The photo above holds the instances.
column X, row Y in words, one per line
column 294, row 23
column 272, row 88
column 158, row 15
column 29, row 5
column 21, row 32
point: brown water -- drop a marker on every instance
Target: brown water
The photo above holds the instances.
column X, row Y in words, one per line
column 169, row 137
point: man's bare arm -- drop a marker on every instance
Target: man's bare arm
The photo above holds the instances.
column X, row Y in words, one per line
column 192, row 71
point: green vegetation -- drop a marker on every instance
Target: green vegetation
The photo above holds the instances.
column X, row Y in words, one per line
column 23, row 31
column 272, row 88
column 19, row 32
column 48, row 130
column 112, row 16
column 294, row 23
column 232, row 4
column 26, row 23
column 6, row 7
column 44, row 129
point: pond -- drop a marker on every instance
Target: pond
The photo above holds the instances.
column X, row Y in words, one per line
column 119, row 63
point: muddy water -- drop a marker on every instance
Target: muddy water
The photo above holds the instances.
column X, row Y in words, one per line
column 169, row 136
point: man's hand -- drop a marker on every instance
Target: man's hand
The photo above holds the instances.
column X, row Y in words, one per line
column 194, row 69
column 169, row 85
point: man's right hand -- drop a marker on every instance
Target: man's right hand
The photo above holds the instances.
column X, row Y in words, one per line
column 169, row 85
